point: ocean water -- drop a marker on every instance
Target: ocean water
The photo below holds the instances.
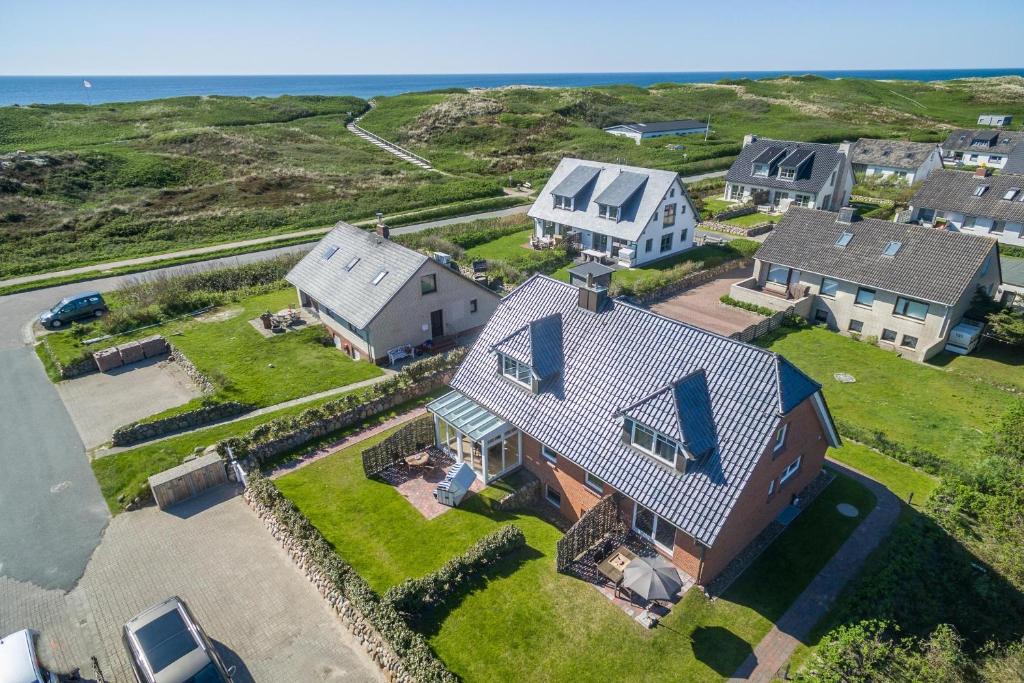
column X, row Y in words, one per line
column 24, row 90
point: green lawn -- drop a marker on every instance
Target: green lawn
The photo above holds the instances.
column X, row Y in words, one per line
column 912, row 403
column 513, row 248
column 713, row 206
column 992, row 363
column 244, row 365
column 898, row 477
column 527, row 617
column 750, row 220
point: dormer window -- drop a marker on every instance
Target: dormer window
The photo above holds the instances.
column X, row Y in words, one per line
column 649, row 441
column 787, row 173
column 761, row 169
column 609, row 212
column 519, row 373
column 563, row 202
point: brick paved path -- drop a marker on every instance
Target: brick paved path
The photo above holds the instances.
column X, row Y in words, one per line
column 263, row 615
column 793, row 627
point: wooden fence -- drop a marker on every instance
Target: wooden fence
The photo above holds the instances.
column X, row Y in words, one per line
column 599, row 520
column 763, row 327
column 409, row 439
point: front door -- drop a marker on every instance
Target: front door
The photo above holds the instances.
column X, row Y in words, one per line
column 436, row 323
column 600, row 242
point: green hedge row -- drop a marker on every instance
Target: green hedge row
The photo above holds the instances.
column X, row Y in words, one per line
column 877, row 439
column 753, row 308
column 413, row 597
column 417, row 657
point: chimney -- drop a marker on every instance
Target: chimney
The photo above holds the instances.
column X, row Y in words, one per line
column 846, row 215
column 982, row 172
column 592, row 296
column 382, row 228
column 844, row 148
column 749, row 138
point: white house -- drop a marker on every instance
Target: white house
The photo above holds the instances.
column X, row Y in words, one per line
column 989, row 148
column 657, row 129
column 973, row 203
column 882, row 159
column 631, row 215
column 999, row 120
column 780, row 173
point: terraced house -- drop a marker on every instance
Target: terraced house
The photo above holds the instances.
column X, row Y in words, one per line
column 624, row 214
column 778, row 173
column 701, row 439
column 894, row 159
column 905, row 285
column 989, row 147
column 979, row 204
column 375, row 296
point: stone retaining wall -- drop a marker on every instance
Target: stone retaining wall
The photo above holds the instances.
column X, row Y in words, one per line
column 692, row 280
column 735, row 212
column 523, row 497
column 201, row 380
column 729, row 229
column 193, row 419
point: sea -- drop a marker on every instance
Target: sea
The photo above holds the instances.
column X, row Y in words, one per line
column 25, row 90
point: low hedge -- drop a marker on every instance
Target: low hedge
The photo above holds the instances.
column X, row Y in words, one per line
column 753, row 308
column 877, row 439
column 414, row 597
column 411, row 647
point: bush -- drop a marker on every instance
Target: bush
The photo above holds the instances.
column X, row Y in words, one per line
column 414, row 597
column 753, row 308
column 656, row 280
column 877, row 439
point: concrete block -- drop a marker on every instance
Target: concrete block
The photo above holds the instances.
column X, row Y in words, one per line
column 108, row 359
column 154, row 346
column 131, row 352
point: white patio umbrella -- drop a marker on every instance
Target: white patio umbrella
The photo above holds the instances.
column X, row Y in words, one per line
column 652, row 578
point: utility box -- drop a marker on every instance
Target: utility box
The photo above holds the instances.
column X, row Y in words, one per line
column 187, row 480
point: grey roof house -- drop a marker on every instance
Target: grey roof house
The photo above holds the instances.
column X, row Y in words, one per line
column 657, row 129
column 623, row 214
column 883, row 159
column 983, row 147
column 702, row 439
column 780, row 173
column 977, row 203
column 905, row 285
column 375, row 296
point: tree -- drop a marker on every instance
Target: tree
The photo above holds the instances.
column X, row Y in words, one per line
column 1007, row 326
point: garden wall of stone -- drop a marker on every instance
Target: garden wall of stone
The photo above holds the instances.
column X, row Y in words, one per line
column 730, row 229
column 145, row 431
column 700, row 277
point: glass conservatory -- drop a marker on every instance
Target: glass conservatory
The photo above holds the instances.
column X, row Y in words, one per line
column 474, row 435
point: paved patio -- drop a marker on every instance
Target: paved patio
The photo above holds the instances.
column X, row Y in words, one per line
column 300, row 319
column 417, row 484
column 701, row 306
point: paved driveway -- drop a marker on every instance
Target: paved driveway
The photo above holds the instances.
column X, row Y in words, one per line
column 701, row 306
column 264, row 616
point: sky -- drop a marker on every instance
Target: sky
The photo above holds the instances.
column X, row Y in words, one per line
column 85, row 37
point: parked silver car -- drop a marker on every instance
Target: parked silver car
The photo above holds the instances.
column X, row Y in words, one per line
column 166, row 645
column 18, row 661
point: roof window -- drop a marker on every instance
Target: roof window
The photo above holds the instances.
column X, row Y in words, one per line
column 892, row 248
column 329, row 251
column 844, row 239
column 352, row 264
column 1011, row 193
column 380, row 276
column 980, row 190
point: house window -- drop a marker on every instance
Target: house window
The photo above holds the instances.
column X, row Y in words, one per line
column 563, row 202
column 549, row 455
column 780, row 437
column 648, row 245
column 918, row 310
column 516, row 371
column 593, row 483
column 787, row 173
column 829, row 287
column 428, row 284
column 802, row 200
column 791, row 469
column 666, row 242
column 820, row 315
column 856, row 326
column 980, row 190
column 649, row 441
column 654, row 527
column 997, row 228
column 832, row 180
column 889, row 335
column 778, row 274
column 552, row 496
column 643, row 438
column 670, row 215
column 865, row 297
column 672, row 192
column 736, row 192
column 472, row 306
column 771, row 488
column 968, row 223
column 682, row 235
column 609, row 212
column 760, row 169
column 909, row 342
column 994, row 159
column 352, row 264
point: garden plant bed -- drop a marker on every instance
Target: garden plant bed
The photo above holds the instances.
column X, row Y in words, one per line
column 527, row 607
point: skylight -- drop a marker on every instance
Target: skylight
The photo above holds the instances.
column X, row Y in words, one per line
column 329, row 251
column 980, row 190
column 352, row 264
column 1011, row 193
column 380, row 276
column 892, row 248
column 844, row 239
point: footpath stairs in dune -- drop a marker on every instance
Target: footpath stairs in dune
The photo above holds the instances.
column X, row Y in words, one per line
column 390, row 147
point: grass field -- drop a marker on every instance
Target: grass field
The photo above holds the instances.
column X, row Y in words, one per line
column 527, row 616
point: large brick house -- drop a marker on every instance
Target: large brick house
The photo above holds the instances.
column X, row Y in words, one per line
column 702, row 439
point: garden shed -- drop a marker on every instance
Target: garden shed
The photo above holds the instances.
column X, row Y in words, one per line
column 187, row 480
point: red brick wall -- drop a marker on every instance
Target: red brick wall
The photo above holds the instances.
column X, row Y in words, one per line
column 563, row 476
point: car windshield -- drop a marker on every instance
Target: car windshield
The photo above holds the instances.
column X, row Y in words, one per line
column 59, row 305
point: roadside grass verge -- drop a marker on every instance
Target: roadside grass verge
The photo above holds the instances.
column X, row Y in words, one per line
column 527, row 616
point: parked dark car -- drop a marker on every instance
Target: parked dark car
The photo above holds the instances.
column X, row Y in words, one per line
column 76, row 307
column 166, row 645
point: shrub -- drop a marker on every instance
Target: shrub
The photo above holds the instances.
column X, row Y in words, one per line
column 753, row 308
column 877, row 439
column 656, row 280
column 413, row 597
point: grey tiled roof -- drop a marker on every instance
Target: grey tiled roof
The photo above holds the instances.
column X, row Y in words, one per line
column 538, row 344
column 621, row 189
column 351, row 293
column 662, row 126
column 892, row 153
column 953, row 191
column 1015, row 160
column 961, row 141
column 633, row 215
column 826, row 159
column 616, row 358
column 932, row 265
column 680, row 410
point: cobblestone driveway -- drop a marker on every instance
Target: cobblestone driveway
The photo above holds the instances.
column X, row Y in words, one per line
column 263, row 615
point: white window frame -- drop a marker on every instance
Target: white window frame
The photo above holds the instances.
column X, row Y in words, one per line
column 653, row 537
column 549, row 454
column 835, row 290
column 596, row 488
column 787, row 173
column 780, row 437
column 905, row 312
column 669, row 213
column 856, row 297
column 508, row 363
column 791, row 469
column 655, row 437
